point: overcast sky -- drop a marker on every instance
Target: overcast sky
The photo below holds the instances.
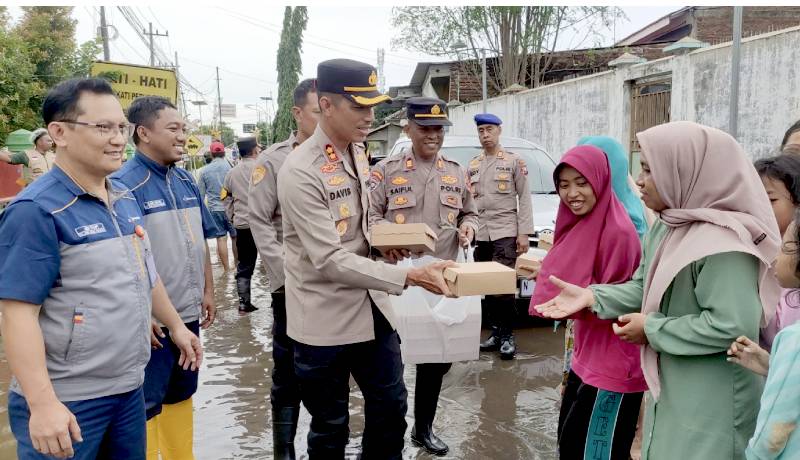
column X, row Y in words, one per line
column 242, row 39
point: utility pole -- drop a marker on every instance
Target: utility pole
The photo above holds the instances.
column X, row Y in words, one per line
column 151, row 34
column 219, row 102
column 381, row 79
column 483, row 82
column 104, row 34
column 736, row 49
column 183, row 96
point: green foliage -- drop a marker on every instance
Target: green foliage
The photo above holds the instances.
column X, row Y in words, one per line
column 18, row 86
column 264, row 133
column 289, row 68
column 228, row 135
column 36, row 54
column 516, row 39
column 381, row 112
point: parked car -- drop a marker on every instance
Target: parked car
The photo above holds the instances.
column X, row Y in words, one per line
column 540, row 182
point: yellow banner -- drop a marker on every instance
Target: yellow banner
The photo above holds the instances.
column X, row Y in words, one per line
column 131, row 81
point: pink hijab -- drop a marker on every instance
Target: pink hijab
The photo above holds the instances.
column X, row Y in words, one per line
column 601, row 247
column 715, row 204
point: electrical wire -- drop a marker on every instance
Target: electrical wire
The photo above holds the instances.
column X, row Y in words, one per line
column 306, row 40
column 277, row 28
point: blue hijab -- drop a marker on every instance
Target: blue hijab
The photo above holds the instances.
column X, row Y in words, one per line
column 618, row 163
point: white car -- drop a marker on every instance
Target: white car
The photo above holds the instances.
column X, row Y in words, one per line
column 540, row 182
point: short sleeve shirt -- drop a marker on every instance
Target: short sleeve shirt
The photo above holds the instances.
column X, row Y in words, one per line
column 90, row 267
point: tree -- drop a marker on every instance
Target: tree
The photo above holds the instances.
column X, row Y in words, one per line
column 228, row 136
column 36, row 54
column 264, row 131
column 18, row 85
column 289, row 67
column 517, row 39
column 49, row 33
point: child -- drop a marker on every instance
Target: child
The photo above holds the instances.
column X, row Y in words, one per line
column 776, row 435
column 595, row 242
column 781, row 178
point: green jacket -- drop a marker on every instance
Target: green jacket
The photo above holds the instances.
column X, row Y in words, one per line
column 708, row 406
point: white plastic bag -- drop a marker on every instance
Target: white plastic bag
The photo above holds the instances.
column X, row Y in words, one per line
column 434, row 328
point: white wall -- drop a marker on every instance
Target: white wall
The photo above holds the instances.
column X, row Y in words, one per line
column 556, row 116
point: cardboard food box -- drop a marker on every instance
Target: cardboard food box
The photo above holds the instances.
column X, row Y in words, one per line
column 546, row 241
column 416, row 238
column 481, row 278
column 524, row 262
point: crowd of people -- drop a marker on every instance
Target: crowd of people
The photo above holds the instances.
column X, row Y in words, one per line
column 680, row 289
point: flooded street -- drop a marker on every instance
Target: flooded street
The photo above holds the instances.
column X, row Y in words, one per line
column 489, row 409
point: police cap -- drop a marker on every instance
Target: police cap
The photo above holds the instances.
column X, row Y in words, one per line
column 487, row 119
column 246, row 144
column 354, row 79
column 427, row 111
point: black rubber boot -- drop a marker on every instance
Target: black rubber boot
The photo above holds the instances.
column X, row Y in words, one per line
column 493, row 342
column 243, row 287
column 426, row 397
column 284, row 427
column 508, row 349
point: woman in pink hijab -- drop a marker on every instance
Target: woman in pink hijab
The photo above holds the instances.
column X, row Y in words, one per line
column 705, row 279
column 595, row 243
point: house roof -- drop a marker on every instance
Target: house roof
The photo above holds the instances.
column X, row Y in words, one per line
column 660, row 26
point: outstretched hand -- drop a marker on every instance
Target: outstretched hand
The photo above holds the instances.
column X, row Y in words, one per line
column 571, row 300
column 749, row 355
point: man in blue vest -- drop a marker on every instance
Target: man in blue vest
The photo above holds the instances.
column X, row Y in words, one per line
column 178, row 223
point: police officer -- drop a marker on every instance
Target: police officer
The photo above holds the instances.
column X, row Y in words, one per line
column 499, row 183
column 37, row 161
column 234, row 196
column 178, row 223
column 265, row 223
column 76, row 282
column 338, row 312
column 424, row 186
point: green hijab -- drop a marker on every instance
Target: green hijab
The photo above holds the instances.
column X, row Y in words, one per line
column 618, row 164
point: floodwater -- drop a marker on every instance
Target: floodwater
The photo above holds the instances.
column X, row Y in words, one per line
column 488, row 409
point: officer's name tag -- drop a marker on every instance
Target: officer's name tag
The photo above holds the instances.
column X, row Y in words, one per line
column 526, row 288
column 152, row 204
column 92, row 229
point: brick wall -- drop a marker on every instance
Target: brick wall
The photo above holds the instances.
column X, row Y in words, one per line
column 715, row 24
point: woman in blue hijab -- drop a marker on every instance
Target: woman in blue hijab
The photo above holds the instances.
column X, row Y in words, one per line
column 618, row 164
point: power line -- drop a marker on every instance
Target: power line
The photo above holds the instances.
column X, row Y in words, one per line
column 360, row 54
column 276, row 28
column 230, row 72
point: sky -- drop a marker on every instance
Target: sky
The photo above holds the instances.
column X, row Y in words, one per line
column 242, row 39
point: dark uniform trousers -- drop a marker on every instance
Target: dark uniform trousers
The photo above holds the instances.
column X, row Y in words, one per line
column 248, row 252
column 427, row 388
column 324, row 374
column 166, row 382
column 285, row 390
column 500, row 308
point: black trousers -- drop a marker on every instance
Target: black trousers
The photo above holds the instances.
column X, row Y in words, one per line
column 324, row 375
column 596, row 424
column 248, row 252
column 426, row 391
column 500, row 308
column 285, row 391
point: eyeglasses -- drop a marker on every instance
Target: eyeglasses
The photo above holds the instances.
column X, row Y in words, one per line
column 107, row 130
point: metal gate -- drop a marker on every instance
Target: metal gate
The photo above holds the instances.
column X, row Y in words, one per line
column 650, row 106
